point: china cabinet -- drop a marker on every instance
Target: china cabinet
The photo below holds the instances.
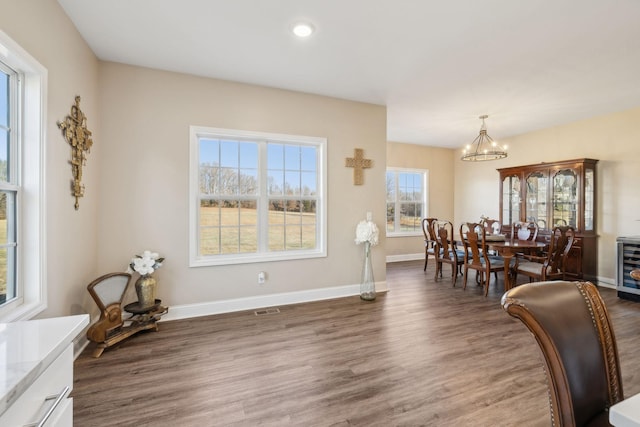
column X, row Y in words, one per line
column 556, row 194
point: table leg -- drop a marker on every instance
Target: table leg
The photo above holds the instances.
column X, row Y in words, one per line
column 507, row 256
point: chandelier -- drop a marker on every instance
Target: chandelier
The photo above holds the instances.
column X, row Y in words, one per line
column 483, row 147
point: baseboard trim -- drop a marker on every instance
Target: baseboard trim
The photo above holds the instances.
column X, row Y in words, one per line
column 606, row 282
column 404, row 257
column 187, row 311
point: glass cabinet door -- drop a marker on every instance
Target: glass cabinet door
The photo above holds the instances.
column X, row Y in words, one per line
column 510, row 199
column 536, row 199
column 565, row 198
column 589, row 192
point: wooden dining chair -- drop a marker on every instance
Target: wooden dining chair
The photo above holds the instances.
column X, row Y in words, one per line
column 477, row 257
column 429, row 239
column 572, row 327
column 492, row 226
column 446, row 250
column 552, row 265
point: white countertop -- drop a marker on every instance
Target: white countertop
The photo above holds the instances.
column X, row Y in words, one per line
column 28, row 347
column 626, row 413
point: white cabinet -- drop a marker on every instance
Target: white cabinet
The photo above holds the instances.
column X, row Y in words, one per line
column 46, row 398
column 36, row 359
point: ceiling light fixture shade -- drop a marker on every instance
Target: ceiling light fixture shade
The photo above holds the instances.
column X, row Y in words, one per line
column 483, row 147
column 303, row 29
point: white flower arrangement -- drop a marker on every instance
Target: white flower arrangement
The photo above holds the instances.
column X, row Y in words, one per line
column 367, row 231
column 145, row 264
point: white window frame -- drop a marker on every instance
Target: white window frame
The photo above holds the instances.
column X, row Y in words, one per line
column 196, row 260
column 30, row 201
column 425, row 199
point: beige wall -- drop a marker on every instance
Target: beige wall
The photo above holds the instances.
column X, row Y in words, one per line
column 136, row 174
column 439, row 163
column 612, row 139
column 45, row 32
column 146, row 116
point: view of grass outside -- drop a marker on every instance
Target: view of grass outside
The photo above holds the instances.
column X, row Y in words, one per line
column 229, row 230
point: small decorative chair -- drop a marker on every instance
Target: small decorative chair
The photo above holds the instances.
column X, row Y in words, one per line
column 551, row 266
column 429, row 239
column 446, row 250
column 574, row 332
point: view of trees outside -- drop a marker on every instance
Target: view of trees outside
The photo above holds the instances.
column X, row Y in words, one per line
column 405, row 201
column 229, row 182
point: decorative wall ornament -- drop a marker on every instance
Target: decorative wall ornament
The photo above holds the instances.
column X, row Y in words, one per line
column 75, row 132
column 358, row 163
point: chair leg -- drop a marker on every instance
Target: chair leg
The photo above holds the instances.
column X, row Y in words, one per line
column 426, row 260
column 454, row 274
column 486, row 283
column 464, row 277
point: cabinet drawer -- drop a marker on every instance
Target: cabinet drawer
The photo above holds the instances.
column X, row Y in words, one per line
column 34, row 403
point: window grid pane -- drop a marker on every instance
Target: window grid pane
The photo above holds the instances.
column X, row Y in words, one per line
column 8, row 242
column 230, row 213
column 405, row 201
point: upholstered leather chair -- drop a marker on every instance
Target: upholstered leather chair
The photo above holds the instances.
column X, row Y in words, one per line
column 572, row 327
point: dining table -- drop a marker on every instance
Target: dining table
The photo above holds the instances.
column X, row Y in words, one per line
column 507, row 249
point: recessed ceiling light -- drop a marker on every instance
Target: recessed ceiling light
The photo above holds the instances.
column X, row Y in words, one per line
column 302, row 29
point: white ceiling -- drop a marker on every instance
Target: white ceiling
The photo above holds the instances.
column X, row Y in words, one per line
column 436, row 65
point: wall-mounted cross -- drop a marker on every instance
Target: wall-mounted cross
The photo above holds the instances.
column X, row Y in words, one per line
column 358, row 163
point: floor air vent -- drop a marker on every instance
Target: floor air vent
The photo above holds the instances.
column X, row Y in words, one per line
column 266, row 311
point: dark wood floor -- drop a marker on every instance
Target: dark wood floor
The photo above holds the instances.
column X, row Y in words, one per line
column 423, row 354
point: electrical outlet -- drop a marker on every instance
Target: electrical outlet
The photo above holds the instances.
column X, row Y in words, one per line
column 262, row 277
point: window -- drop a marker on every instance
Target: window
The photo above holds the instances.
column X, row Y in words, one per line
column 406, row 201
column 256, row 197
column 8, row 184
column 22, row 100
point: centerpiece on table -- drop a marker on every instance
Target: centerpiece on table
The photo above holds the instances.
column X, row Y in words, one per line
column 145, row 265
column 367, row 233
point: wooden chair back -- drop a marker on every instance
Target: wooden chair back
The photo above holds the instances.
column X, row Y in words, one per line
column 429, row 238
column 573, row 330
column 560, row 244
column 446, row 250
column 474, row 240
column 492, row 226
